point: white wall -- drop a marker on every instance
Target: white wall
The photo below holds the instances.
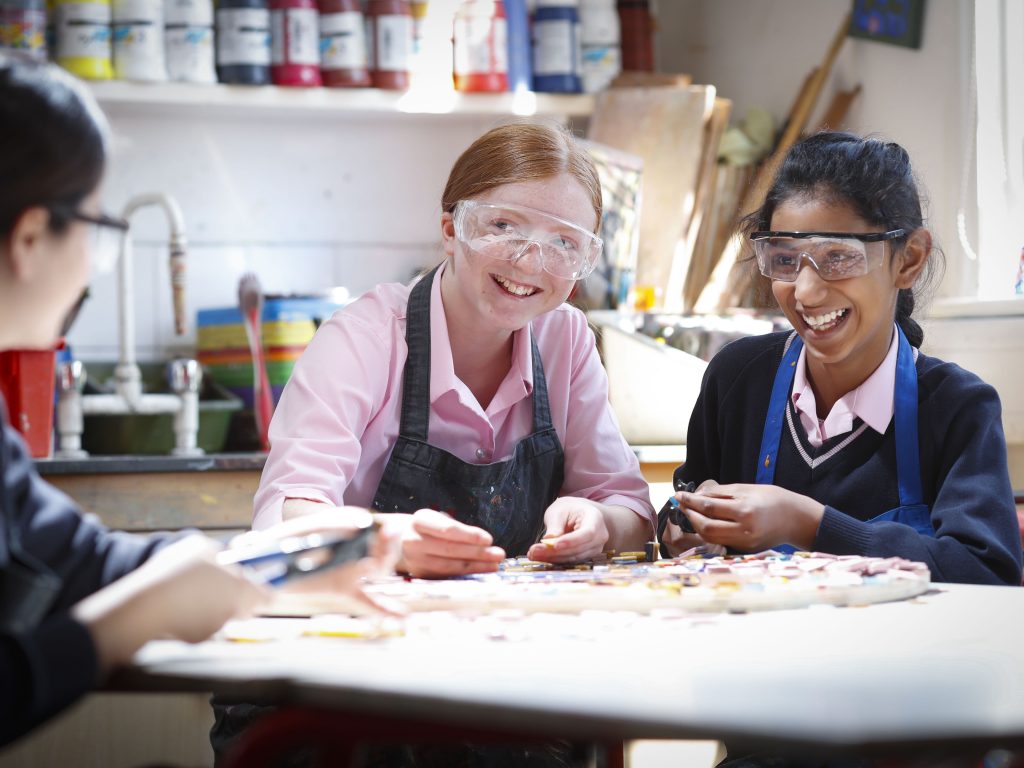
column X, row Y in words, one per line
column 306, row 201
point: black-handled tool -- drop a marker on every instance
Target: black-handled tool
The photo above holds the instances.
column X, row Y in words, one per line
column 672, row 512
column 293, row 557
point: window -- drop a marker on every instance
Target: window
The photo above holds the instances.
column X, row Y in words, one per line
column 999, row 144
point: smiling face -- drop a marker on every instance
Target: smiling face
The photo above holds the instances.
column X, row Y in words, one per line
column 847, row 324
column 498, row 297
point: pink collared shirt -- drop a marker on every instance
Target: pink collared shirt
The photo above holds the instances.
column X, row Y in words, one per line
column 333, row 430
column 872, row 401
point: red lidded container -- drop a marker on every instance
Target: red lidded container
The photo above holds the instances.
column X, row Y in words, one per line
column 481, row 46
column 391, row 43
column 343, row 55
column 295, row 43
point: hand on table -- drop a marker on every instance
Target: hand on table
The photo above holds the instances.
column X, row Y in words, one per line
column 347, row 578
column 435, row 545
column 181, row 592
column 575, row 531
column 677, row 541
column 751, row 517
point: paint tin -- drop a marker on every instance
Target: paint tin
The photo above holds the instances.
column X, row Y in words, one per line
column 392, row 25
column 23, row 26
column 600, row 45
column 188, row 41
column 84, row 38
column 481, row 46
column 295, row 43
column 343, row 59
column 556, row 47
column 243, row 42
column 139, row 40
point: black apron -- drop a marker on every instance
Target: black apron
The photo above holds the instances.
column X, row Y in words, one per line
column 506, row 498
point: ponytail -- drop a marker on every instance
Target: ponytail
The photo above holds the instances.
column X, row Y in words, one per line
column 904, row 318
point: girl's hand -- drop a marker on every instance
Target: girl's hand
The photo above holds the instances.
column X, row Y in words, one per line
column 576, row 530
column 752, row 518
column 181, row 593
column 676, row 540
column 346, row 579
column 435, row 545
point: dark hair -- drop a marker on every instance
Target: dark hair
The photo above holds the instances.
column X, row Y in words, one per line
column 873, row 177
column 53, row 141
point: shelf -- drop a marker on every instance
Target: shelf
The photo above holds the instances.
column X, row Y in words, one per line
column 239, row 99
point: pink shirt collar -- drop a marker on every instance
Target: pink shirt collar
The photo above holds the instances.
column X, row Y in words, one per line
column 872, row 401
column 516, row 385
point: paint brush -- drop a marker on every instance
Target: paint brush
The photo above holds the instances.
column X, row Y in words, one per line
column 250, row 300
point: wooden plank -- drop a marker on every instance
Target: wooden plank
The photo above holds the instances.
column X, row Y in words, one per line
column 165, row 500
column 835, row 116
column 665, row 127
column 702, row 220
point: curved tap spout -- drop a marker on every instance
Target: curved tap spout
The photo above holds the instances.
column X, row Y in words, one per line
column 126, row 375
column 178, row 243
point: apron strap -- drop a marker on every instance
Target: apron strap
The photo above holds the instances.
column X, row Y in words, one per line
column 416, row 375
column 777, row 405
column 908, row 457
column 541, row 406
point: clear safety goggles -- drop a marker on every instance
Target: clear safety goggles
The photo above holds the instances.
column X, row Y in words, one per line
column 509, row 232
column 834, row 255
column 104, row 238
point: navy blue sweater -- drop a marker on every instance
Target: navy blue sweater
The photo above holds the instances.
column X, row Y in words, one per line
column 45, row 668
column 964, row 471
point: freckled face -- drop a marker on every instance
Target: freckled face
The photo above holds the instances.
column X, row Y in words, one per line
column 504, row 296
column 846, row 325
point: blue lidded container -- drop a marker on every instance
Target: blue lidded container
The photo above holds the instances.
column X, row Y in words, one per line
column 557, row 52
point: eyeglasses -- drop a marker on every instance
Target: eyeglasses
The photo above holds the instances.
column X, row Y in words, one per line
column 834, row 255
column 508, row 232
column 105, row 237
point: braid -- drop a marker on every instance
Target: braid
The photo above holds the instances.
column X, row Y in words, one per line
column 904, row 317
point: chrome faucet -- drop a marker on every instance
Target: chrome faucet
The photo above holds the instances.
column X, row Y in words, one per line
column 128, row 397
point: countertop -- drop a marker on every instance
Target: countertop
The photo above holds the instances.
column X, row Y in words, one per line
column 106, row 465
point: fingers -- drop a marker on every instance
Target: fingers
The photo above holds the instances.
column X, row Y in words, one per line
column 724, row 532
column 716, row 504
column 428, row 522
column 583, row 543
column 437, row 545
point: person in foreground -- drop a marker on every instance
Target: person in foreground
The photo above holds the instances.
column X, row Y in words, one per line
column 842, row 436
column 472, row 406
column 77, row 600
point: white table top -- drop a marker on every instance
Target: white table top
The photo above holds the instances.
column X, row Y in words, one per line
column 945, row 667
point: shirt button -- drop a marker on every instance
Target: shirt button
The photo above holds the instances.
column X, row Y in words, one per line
column 482, row 454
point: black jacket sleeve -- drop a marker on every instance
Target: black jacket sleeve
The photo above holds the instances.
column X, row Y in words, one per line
column 45, row 668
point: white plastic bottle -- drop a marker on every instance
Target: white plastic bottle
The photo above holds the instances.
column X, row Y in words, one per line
column 601, row 44
column 139, row 40
column 188, row 41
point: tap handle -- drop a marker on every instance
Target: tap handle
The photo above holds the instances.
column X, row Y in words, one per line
column 184, row 375
column 71, row 376
column 178, row 285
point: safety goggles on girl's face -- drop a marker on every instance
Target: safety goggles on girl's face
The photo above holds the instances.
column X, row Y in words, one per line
column 104, row 237
column 510, row 232
column 834, row 255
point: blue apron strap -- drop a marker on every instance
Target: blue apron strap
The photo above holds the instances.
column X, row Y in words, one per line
column 777, row 411
column 908, row 458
